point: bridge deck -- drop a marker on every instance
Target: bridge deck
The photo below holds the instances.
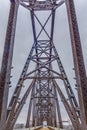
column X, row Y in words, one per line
column 41, row 128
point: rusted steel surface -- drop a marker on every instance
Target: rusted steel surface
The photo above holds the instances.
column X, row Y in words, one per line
column 43, row 90
column 58, row 110
column 78, row 61
column 75, row 121
column 7, row 62
column 30, row 109
column 13, row 117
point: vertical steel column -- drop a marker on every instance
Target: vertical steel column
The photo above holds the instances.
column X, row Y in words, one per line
column 54, row 111
column 29, row 114
column 78, row 61
column 58, row 111
column 30, row 109
column 13, row 118
column 75, row 122
column 33, row 116
column 7, row 62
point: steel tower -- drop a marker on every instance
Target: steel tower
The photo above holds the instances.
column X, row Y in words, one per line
column 43, row 90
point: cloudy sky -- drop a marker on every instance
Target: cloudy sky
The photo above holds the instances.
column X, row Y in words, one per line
column 24, row 39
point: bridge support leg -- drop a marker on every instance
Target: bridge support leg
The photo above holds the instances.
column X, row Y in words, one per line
column 78, row 62
column 7, row 63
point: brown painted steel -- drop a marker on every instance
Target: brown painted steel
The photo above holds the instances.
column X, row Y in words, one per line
column 29, row 110
column 58, row 111
column 44, row 88
column 74, row 120
column 12, row 119
column 7, row 62
column 78, row 61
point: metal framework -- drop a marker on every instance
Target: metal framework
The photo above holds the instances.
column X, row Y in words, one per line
column 43, row 91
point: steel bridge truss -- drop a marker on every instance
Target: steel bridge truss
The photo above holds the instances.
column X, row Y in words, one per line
column 43, row 90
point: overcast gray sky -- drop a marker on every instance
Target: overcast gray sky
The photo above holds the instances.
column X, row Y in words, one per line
column 24, row 40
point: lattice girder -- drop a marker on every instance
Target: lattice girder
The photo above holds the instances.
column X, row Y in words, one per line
column 44, row 89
